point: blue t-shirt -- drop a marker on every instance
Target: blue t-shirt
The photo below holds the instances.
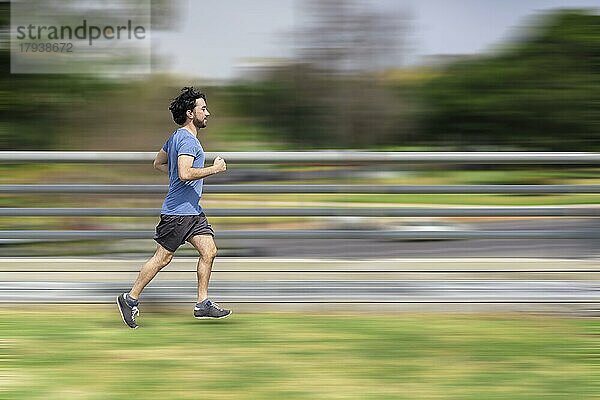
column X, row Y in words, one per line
column 184, row 196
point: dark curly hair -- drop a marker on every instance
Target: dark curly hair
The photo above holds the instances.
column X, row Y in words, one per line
column 185, row 101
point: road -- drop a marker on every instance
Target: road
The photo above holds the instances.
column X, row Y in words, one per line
column 541, row 248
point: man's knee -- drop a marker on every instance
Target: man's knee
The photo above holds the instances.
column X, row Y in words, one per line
column 209, row 251
column 163, row 257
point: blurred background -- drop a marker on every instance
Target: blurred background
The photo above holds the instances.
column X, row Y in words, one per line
column 305, row 75
column 394, row 75
column 308, row 75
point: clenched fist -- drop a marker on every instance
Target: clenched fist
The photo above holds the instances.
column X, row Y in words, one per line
column 220, row 164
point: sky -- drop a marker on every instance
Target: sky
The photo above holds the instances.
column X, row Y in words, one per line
column 213, row 38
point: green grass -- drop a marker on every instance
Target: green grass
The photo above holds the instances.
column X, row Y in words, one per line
column 76, row 353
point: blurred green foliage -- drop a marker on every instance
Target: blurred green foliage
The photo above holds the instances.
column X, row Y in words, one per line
column 312, row 108
column 540, row 92
column 58, row 111
column 33, row 107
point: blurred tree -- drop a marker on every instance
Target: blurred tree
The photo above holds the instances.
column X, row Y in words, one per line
column 540, row 92
column 330, row 94
column 351, row 36
column 34, row 107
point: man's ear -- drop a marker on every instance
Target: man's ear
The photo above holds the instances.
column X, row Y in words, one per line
column 189, row 114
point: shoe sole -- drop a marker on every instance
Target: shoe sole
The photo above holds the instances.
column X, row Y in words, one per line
column 122, row 317
column 224, row 316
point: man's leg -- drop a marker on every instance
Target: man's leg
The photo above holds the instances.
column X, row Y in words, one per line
column 206, row 309
column 128, row 302
column 207, row 250
column 161, row 258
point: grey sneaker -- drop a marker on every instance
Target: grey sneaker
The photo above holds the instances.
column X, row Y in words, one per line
column 128, row 313
column 210, row 310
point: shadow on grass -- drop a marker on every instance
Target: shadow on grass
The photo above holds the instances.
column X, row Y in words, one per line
column 225, row 321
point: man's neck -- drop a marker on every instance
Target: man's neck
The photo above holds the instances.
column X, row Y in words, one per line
column 191, row 128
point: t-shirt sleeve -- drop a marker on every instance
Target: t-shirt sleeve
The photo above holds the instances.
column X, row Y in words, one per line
column 166, row 146
column 187, row 147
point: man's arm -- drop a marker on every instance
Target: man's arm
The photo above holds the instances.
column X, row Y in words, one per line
column 161, row 161
column 189, row 173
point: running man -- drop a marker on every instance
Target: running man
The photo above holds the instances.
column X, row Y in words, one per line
column 181, row 216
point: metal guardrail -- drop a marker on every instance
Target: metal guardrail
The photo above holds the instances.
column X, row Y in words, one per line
column 481, row 284
column 318, row 212
column 326, row 157
column 305, row 189
column 317, row 291
column 314, row 234
column 344, row 290
column 336, row 157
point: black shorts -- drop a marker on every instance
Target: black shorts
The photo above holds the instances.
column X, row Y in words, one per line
column 174, row 230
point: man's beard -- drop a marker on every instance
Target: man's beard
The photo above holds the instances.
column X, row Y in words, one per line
column 199, row 123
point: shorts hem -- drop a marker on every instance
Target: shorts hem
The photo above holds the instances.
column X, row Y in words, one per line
column 166, row 247
column 187, row 239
